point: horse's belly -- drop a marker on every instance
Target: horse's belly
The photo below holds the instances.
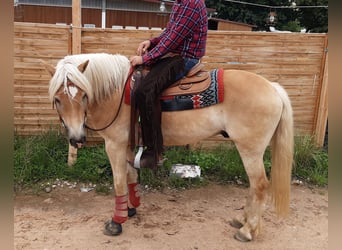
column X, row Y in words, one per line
column 188, row 127
column 177, row 139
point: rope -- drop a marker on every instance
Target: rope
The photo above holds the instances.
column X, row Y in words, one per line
column 119, row 108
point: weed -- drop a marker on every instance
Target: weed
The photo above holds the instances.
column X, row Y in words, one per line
column 39, row 158
column 92, row 165
column 43, row 158
column 310, row 161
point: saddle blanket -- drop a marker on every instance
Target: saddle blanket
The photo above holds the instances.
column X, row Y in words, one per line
column 212, row 95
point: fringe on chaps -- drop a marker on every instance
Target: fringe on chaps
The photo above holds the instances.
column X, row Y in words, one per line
column 161, row 75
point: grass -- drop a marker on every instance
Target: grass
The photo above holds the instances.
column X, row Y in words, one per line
column 42, row 158
column 37, row 158
column 221, row 164
column 310, row 161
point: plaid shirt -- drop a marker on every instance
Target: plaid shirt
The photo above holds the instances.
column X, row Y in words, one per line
column 185, row 33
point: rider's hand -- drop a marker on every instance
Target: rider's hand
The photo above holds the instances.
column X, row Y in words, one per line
column 143, row 46
column 136, row 60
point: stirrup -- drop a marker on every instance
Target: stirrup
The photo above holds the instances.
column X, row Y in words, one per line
column 138, row 157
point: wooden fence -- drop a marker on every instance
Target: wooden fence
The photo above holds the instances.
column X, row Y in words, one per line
column 297, row 61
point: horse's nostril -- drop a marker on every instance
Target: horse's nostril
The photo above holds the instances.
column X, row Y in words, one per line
column 77, row 143
column 83, row 139
column 73, row 142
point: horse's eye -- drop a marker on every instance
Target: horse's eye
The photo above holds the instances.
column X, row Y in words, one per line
column 85, row 99
column 57, row 102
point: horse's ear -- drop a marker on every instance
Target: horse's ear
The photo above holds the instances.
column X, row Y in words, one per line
column 51, row 69
column 82, row 67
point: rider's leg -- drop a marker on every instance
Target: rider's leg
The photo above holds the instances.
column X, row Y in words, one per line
column 146, row 95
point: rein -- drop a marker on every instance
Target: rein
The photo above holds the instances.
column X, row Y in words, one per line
column 119, row 108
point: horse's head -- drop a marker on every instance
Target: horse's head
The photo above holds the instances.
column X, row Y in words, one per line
column 71, row 104
column 81, row 81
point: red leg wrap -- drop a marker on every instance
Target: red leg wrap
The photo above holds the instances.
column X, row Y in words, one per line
column 134, row 196
column 121, row 209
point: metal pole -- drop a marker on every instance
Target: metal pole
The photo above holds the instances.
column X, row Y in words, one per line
column 103, row 26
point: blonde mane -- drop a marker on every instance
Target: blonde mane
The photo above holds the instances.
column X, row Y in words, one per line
column 104, row 74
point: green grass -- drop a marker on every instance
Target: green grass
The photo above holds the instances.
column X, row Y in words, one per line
column 43, row 158
column 222, row 164
column 310, row 161
column 38, row 158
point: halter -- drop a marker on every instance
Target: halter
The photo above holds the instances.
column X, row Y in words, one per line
column 119, row 108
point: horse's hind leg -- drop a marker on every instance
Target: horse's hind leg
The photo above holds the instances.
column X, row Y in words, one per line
column 250, row 222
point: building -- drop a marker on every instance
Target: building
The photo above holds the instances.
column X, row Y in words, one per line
column 95, row 13
column 116, row 14
column 222, row 24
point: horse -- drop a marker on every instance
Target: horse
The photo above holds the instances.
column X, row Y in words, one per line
column 87, row 91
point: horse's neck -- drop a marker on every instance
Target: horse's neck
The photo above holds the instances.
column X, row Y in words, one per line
column 102, row 113
column 99, row 115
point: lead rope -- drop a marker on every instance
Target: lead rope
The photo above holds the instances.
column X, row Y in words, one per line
column 119, row 108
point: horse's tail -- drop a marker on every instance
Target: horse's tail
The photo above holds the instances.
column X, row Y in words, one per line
column 282, row 146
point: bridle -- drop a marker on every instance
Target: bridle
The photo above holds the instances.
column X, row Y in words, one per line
column 119, row 108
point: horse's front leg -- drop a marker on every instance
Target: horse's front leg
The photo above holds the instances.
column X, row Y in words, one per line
column 117, row 157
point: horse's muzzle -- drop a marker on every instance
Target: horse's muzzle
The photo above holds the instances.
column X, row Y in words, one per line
column 77, row 143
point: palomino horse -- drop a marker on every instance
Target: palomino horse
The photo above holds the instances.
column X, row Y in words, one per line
column 88, row 91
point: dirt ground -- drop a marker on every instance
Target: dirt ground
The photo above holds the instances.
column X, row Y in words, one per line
column 190, row 219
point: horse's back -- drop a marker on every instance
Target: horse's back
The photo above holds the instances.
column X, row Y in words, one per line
column 245, row 80
column 250, row 90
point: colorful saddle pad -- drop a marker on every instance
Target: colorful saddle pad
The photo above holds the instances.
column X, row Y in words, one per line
column 212, row 95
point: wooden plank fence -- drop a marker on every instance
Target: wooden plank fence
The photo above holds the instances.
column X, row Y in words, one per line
column 297, row 61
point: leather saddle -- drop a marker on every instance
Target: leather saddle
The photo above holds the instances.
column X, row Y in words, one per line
column 196, row 80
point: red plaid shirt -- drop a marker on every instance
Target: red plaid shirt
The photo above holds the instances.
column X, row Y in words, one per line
column 185, row 33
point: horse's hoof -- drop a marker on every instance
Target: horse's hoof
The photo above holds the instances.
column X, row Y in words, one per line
column 243, row 237
column 132, row 211
column 235, row 223
column 112, row 228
